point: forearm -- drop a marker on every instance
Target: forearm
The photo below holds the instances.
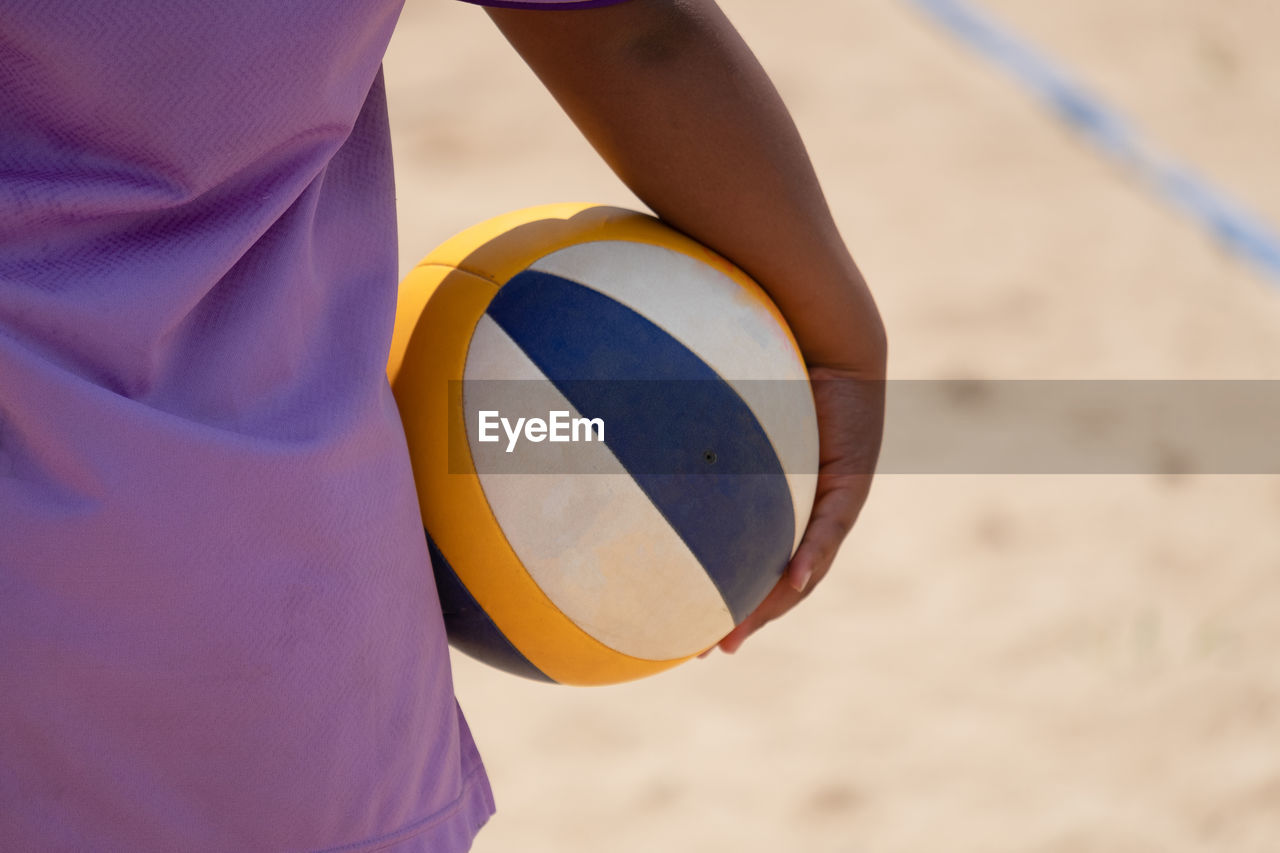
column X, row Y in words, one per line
column 675, row 102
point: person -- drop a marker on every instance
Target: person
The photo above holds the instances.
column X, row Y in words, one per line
column 218, row 630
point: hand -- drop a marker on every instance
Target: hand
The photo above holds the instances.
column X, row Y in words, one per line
column 850, row 407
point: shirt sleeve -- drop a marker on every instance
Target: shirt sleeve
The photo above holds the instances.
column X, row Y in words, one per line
column 544, row 4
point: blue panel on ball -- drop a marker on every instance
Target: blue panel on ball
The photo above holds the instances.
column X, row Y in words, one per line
column 470, row 628
column 686, row 437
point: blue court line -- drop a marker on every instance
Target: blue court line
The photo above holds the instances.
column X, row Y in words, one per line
column 1228, row 221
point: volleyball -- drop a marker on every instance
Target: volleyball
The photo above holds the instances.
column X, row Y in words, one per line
column 613, row 439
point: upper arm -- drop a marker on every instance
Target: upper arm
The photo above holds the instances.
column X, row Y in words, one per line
column 578, row 41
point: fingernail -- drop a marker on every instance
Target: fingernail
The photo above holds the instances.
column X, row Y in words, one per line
column 801, row 580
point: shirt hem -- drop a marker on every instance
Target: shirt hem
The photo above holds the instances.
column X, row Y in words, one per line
column 449, row 830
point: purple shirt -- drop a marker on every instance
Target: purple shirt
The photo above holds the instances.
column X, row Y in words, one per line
column 218, row 626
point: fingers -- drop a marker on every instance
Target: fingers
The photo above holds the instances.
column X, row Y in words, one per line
column 786, row 593
column 779, row 600
column 834, row 513
column 850, row 417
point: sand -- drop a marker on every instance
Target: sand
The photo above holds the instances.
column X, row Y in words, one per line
column 997, row 663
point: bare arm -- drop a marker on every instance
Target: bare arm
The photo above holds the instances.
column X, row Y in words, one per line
column 675, row 102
